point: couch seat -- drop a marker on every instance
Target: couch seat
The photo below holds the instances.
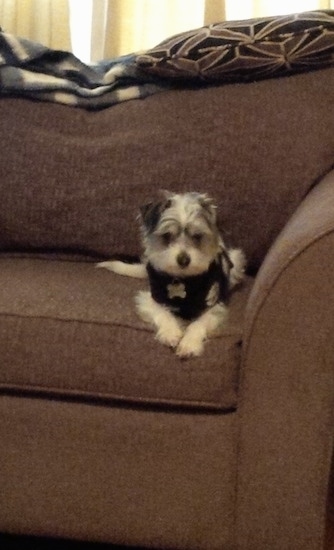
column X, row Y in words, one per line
column 70, row 331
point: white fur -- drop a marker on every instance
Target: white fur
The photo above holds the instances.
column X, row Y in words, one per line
column 192, row 342
column 187, row 338
column 237, row 272
column 121, row 268
column 183, row 218
column 186, row 211
column 169, row 328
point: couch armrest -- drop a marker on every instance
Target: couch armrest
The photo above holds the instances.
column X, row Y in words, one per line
column 287, row 385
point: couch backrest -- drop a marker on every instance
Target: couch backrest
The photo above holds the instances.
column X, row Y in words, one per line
column 74, row 180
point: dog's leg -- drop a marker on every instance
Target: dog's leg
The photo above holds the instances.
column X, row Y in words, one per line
column 169, row 328
column 192, row 343
column 122, row 268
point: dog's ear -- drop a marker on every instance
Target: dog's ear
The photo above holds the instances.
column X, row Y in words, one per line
column 151, row 213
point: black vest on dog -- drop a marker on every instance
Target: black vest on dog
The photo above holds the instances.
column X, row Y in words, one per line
column 188, row 297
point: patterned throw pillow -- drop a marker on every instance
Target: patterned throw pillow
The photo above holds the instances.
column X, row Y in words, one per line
column 246, row 50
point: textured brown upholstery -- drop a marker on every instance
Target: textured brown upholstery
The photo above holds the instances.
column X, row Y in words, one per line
column 88, row 340
column 106, row 435
column 71, row 179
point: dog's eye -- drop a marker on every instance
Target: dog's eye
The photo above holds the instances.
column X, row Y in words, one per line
column 197, row 238
column 167, row 237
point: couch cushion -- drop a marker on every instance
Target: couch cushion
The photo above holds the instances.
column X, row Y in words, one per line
column 74, row 180
column 245, row 50
column 71, row 330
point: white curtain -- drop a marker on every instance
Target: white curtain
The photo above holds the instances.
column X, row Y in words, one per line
column 255, row 8
column 133, row 25
column 109, row 28
column 44, row 21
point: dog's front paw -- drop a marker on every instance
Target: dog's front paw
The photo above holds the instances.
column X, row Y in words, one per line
column 169, row 335
column 190, row 346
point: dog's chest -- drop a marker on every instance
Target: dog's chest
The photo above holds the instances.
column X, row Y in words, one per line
column 188, row 297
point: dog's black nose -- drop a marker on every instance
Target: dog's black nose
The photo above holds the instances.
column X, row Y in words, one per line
column 183, row 259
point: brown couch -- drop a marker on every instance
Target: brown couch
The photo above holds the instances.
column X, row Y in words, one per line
column 105, row 434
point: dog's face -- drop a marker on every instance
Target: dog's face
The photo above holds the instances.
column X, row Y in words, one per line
column 180, row 234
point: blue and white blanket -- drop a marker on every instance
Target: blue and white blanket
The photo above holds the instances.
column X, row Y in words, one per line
column 29, row 69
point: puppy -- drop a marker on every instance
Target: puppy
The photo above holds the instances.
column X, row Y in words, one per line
column 190, row 270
